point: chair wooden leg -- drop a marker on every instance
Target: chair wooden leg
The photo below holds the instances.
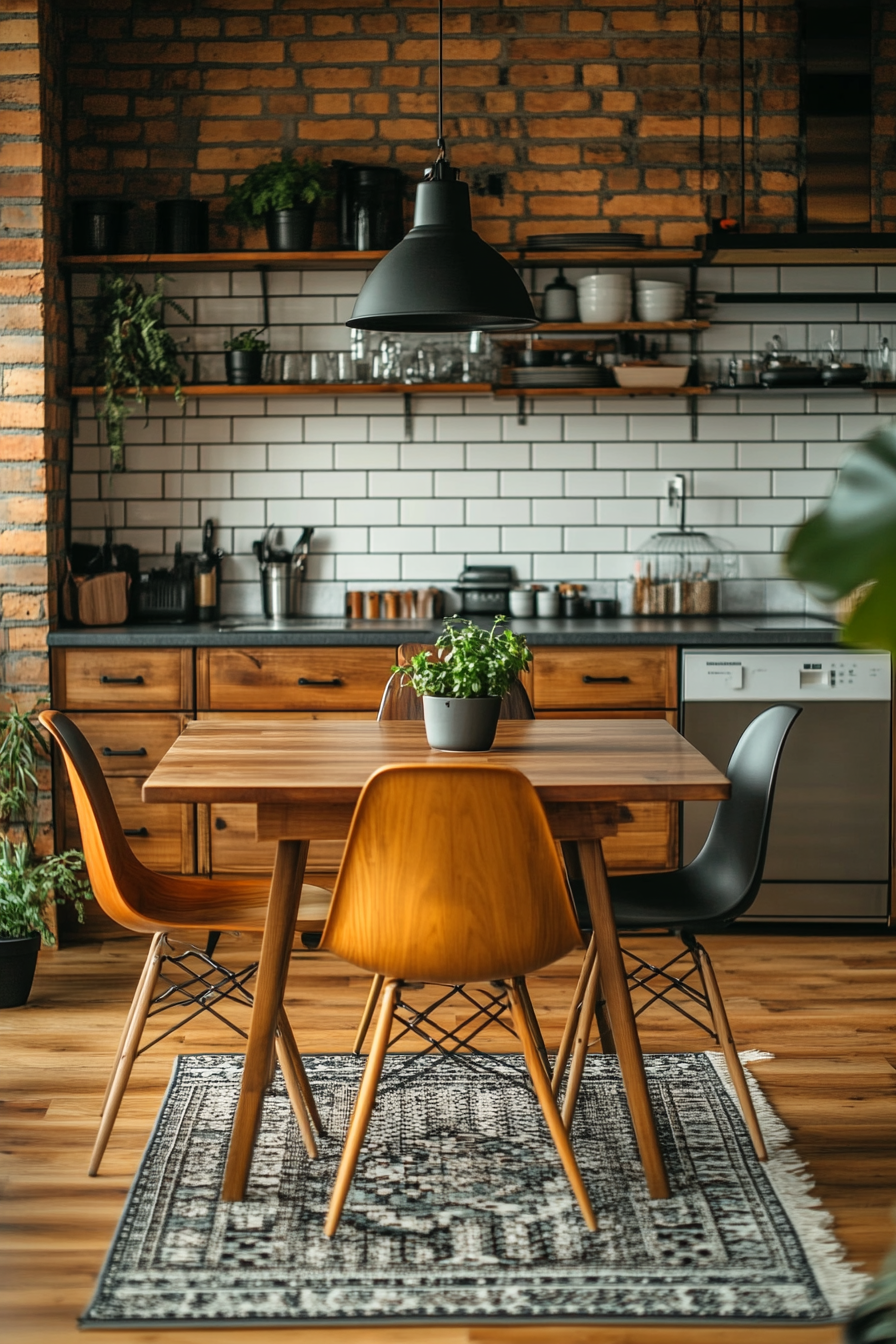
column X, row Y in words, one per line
column 296, row 1095
column 542, row 1084
column 363, row 1108
column 128, row 1055
column 286, row 1032
column 153, row 947
column 534, row 1027
column 622, row 1017
column 729, row 1049
column 376, row 986
column 580, row 1049
column 604, row 1027
column 572, row 1017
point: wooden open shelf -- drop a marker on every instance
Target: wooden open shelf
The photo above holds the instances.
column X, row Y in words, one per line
column 507, row 390
column 685, row 324
column 355, row 261
column 301, row 389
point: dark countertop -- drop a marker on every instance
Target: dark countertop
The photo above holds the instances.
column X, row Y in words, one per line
column 726, row 631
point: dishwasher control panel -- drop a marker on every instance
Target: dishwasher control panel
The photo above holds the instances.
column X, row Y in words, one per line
column 785, row 674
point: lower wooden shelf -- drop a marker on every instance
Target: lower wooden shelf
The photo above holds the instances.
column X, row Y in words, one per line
column 402, row 389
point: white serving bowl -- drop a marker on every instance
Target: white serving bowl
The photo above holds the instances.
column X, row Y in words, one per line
column 660, row 307
column 610, row 307
column 659, row 285
column 649, row 375
column 608, row 281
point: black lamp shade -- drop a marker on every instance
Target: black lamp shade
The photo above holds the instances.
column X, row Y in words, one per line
column 442, row 276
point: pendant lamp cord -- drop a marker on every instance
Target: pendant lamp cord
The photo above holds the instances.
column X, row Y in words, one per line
column 441, row 138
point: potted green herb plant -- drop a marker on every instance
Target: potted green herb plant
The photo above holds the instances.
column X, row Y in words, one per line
column 28, row 884
column 463, row 686
column 285, row 195
column 131, row 351
column 243, row 358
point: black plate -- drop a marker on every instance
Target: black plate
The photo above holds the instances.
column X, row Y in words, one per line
column 791, row 375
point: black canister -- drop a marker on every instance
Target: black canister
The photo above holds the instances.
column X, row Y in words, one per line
column 181, row 226
column 97, row 226
column 369, row 206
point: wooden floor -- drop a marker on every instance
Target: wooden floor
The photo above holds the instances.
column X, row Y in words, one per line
column 822, row 1005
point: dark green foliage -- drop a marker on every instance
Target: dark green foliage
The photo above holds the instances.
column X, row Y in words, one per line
column 276, row 186
column 471, row 661
column 247, row 340
column 131, row 351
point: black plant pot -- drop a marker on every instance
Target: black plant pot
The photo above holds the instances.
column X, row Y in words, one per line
column 290, row 230
column 97, row 226
column 181, row 226
column 243, row 367
column 18, row 962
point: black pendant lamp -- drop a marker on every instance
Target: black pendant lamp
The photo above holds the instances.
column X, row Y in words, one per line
column 442, row 276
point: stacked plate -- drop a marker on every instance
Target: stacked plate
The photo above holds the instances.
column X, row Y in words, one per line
column 604, row 297
column 576, row 376
column 583, row 242
column 660, row 300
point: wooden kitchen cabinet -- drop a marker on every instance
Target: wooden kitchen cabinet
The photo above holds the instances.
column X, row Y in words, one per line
column 292, row 678
column 614, row 683
column 129, row 679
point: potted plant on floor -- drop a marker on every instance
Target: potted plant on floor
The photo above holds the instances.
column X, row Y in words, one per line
column 131, row 351
column 463, row 685
column 28, row 884
column 285, row 196
column 243, row 356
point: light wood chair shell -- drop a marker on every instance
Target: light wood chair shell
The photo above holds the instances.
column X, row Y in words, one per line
column 158, row 904
column 450, row 874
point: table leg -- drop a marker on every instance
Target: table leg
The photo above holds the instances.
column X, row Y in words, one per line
column 286, row 891
column 622, row 1018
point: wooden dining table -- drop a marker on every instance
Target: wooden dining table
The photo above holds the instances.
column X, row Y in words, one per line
column 304, row 779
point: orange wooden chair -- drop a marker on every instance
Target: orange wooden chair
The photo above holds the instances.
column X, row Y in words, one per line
column 450, row 875
column 401, row 703
column 155, row 903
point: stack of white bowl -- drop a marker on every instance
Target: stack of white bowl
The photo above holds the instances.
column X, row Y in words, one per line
column 660, row 300
column 605, row 297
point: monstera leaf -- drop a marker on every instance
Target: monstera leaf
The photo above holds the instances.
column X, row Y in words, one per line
column 852, row 541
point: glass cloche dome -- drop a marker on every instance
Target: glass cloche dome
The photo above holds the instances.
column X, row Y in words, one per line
column 678, row 572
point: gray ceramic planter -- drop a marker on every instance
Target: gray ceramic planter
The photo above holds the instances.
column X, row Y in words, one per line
column 454, row 724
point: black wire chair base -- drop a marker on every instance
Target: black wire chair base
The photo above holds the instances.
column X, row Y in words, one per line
column 660, row 983
column 491, row 1005
column 202, row 984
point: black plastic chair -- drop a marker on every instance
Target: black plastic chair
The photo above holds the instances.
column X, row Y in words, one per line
column 719, row 885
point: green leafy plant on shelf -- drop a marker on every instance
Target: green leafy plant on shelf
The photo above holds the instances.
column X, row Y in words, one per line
column 848, row 549
column 131, row 352
column 277, row 186
column 471, row 661
column 29, row 883
column 850, row 544
column 247, row 341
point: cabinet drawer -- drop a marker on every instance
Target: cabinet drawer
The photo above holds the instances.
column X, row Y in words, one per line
column 598, row 678
column 123, row 678
column 234, row 848
column 320, row 678
column 162, row 832
column 130, row 744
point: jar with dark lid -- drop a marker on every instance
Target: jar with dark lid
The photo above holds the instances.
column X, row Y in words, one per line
column 560, row 302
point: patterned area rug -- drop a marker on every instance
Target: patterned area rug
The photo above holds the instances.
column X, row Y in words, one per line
column 460, row 1211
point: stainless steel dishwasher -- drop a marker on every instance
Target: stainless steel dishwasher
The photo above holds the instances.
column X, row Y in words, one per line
column 829, row 845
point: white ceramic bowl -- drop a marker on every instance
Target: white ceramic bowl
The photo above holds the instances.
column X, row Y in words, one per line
column 610, row 307
column 609, row 281
column 649, row 375
column 660, row 308
column 659, row 285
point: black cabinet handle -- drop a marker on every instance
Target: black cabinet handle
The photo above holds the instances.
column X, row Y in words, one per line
column 133, row 751
column 121, row 681
column 136, row 830
column 307, row 681
column 220, row 824
column 595, row 681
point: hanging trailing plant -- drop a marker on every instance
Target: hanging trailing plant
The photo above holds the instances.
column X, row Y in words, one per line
column 131, row 351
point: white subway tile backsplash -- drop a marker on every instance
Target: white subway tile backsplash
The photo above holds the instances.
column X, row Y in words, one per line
column 565, row 495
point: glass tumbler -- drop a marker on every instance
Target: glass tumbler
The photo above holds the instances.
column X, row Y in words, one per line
column 321, row 366
column 294, row 367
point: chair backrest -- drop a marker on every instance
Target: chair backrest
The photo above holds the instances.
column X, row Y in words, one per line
column 450, row 874
column 403, row 702
column 728, row 869
column 116, row 876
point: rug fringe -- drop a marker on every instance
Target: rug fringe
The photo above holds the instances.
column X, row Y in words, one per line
column 843, row 1284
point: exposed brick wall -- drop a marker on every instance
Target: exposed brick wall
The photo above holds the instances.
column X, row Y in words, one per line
column 621, row 115
column 34, row 416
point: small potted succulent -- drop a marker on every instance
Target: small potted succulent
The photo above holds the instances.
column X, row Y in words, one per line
column 28, row 884
column 463, row 685
column 285, row 196
column 243, row 358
